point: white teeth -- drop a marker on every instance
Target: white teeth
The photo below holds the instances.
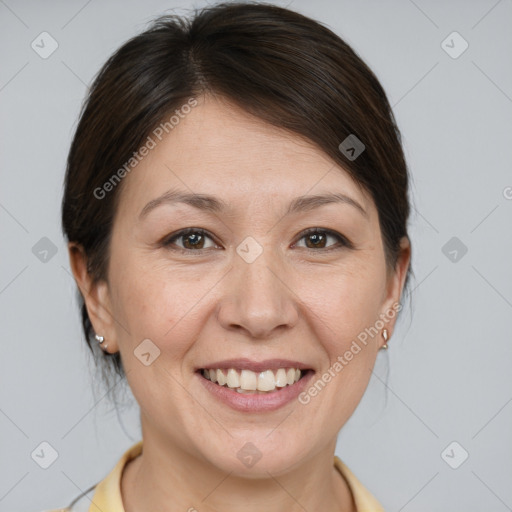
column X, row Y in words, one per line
column 233, row 380
column 281, row 380
column 249, row 382
column 221, row 378
column 266, row 381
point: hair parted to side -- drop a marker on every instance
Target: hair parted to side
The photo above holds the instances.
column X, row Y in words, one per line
column 282, row 67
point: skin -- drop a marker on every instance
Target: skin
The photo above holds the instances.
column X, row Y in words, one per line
column 295, row 301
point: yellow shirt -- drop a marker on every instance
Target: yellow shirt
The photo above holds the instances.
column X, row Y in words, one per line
column 106, row 495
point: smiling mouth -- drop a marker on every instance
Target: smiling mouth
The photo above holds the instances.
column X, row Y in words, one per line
column 249, row 382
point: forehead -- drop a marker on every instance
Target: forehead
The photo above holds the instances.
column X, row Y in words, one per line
column 219, row 149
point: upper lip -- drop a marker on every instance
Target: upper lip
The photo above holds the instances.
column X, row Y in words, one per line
column 255, row 366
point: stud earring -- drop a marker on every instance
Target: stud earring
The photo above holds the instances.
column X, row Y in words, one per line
column 385, row 336
column 101, row 339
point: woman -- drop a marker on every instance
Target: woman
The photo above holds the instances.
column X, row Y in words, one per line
column 236, row 209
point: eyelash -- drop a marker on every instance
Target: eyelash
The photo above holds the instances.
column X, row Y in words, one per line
column 345, row 243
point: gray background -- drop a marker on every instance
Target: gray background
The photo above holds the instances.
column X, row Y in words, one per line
column 447, row 375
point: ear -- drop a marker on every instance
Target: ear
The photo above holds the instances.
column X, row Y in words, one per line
column 96, row 296
column 395, row 285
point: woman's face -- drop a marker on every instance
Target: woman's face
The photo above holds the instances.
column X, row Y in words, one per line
column 253, row 292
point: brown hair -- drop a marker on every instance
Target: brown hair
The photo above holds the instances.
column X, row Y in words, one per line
column 278, row 65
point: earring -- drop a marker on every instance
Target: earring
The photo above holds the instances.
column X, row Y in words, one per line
column 385, row 336
column 101, row 339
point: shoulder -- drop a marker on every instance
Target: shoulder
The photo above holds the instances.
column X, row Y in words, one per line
column 363, row 498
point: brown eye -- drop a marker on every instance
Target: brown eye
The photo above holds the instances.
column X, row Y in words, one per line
column 192, row 239
column 317, row 239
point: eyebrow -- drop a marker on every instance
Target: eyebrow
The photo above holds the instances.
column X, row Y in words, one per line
column 213, row 204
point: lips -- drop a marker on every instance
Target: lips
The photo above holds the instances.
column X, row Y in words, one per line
column 255, row 385
column 255, row 401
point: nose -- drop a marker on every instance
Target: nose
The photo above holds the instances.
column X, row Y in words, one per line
column 257, row 299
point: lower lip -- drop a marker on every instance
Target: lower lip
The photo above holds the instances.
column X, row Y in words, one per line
column 256, row 402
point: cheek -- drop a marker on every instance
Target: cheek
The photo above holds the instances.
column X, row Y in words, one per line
column 343, row 310
column 154, row 304
column 345, row 303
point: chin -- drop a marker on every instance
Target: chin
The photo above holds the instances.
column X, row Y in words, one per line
column 256, row 455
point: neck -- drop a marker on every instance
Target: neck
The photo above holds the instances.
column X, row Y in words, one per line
column 168, row 479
